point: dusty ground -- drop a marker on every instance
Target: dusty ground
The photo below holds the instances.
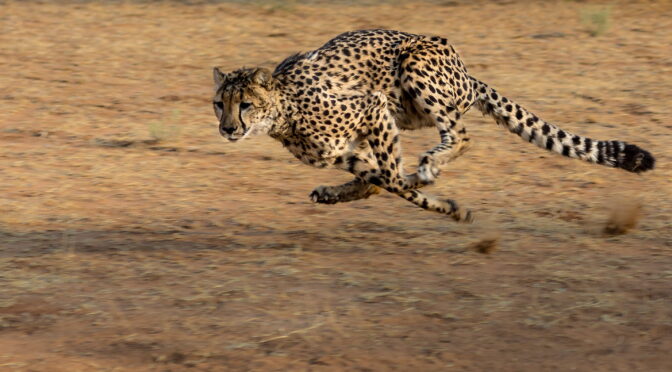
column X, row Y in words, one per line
column 133, row 238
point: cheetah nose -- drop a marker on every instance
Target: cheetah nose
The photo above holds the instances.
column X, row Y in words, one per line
column 227, row 130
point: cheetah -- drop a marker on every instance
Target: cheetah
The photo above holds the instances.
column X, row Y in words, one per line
column 343, row 106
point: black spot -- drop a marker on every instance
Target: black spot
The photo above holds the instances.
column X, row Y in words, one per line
column 545, row 129
column 565, row 150
column 576, row 140
column 549, row 143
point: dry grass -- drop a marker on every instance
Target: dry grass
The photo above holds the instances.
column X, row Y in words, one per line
column 127, row 248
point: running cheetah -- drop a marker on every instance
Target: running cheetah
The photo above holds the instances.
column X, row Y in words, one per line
column 344, row 104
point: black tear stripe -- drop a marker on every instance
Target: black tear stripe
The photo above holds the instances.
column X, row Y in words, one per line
column 240, row 114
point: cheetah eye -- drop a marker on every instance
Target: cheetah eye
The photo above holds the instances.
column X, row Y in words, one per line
column 219, row 105
column 244, row 105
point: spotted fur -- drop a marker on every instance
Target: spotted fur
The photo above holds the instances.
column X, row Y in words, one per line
column 344, row 104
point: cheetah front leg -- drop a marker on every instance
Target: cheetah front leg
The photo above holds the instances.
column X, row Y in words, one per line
column 435, row 204
column 359, row 158
column 349, row 191
column 359, row 162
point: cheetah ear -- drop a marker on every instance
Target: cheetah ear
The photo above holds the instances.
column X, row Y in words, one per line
column 219, row 76
column 263, row 77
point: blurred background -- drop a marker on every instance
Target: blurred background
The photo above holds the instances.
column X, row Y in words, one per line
column 133, row 238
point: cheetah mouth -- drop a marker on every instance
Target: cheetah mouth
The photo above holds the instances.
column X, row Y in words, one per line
column 237, row 137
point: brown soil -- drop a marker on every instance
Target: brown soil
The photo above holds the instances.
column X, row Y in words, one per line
column 133, row 238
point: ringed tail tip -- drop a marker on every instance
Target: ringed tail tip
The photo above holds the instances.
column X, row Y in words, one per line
column 635, row 159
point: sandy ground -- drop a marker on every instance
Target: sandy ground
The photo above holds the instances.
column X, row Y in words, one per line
column 133, row 238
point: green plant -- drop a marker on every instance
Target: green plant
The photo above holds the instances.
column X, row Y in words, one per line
column 277, row 5
column 161, row 132
column 596, row 19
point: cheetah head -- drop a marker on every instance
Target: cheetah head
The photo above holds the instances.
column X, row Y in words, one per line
column 244, row 102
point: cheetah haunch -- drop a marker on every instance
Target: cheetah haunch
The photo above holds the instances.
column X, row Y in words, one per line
column 343, row 105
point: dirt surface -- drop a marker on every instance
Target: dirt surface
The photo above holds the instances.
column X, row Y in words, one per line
column 133, row 238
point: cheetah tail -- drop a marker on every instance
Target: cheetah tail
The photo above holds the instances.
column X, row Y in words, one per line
column 529, row 127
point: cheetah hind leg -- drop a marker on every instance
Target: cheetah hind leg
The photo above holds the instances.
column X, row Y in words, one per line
column 350, row 191
column 434, row 204
column 433, row 162
column 454, row 143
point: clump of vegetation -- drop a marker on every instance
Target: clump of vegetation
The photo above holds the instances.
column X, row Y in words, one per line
column 623, row 217
column 596, row 19
column 486, row 245
column 277, row 5
column 162, row 132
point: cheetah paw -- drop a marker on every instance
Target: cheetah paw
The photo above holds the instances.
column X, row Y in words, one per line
column 458, row 214
column 428, row 173
column 324, row 195
column 466, row 216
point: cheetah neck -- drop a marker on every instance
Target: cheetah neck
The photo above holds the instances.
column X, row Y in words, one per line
column 284, row 116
